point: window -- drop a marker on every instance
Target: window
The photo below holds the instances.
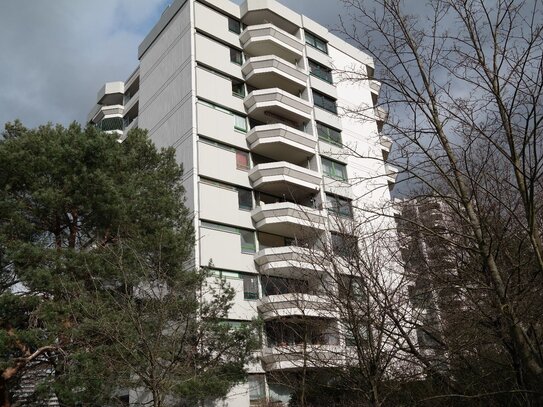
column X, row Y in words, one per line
column 240, row 123
column 324, row 102
column 238, row 88
column 257, row 390
column 110, row 123
column 248, row 244
column 333, row 169
column 245, row 196
column 245, row 199
column 329, row 134
column 236, row 56
column 344, row 245
column 247, row 237
column 361, row 336
column 320, row 71
column 242, row 160
column 316, row 42
column 250, row 287
column 218, row 226
column 234, row 25
column 340, row 206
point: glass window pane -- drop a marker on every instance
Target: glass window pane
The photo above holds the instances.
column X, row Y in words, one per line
column 240, row 122
column 257, row 389
column 234, row 25
column 242, row 160
column 236, row 56
column 247, row 241
column 238, row 89
column 320, row 71
column 327, row 167
column 250, row 287
column 245, row 199
column 328, row 134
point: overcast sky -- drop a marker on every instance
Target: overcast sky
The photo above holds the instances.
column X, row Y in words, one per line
column 56, row 54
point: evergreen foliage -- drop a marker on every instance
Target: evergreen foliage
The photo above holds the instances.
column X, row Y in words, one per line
column 97, row 285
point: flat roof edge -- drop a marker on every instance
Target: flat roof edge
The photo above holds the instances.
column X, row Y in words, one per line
column 166, row 17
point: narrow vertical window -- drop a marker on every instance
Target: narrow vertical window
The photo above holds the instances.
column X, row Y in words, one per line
column 242, row 160
column 245, row 199
column 250, row 287
column 236, row 56
column 234, row 25
column 240, row 123
column 238, row 88
column 248, row 244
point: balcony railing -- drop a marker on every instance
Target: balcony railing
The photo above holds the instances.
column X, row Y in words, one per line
column 277, row 102
column 295, row 304
column 288, row 219
column 299, row 356
column 290, row 261
column 283, row 178
column 281, row 142
column 267, row 39
column 271, row 71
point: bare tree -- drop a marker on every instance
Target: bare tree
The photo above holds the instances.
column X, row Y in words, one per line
column 463, row 84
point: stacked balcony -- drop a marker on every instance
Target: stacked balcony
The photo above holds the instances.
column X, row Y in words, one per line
column 294, row 304
column 281, row 142
column 286, row 181
column 270, row 71
column 282, row 178
column 262, row 104
column 302, row 356
column 290, row 261
column 268, row 39
column 288, row 219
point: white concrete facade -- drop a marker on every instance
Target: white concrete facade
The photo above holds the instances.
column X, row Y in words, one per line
column 262, row 141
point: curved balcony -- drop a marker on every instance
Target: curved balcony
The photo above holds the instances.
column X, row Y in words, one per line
column 270, row 71
column 111, row 93
column 267, row 39
column 381, row 114
column 281, row 142
column 288, row 219
column 294, row 304
column 375, row 86
column 386, row 142
column 296, row 357
column 263, row 103
column 283, row 178
column 392, row 172
column 290, row 261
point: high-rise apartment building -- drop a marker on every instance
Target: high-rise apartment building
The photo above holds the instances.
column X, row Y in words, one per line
column 251, row 98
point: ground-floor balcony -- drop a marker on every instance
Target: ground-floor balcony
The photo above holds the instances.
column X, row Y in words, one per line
column 301, row 356
column 289, row 219
column 281, row 142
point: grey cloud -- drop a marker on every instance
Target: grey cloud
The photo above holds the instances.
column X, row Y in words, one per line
column 56, row 54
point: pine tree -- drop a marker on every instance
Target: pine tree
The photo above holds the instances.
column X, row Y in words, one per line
column 96, row 281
